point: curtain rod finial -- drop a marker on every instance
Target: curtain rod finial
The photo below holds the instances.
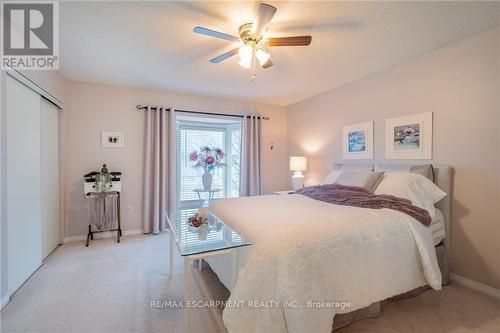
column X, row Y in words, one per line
column 139, row 106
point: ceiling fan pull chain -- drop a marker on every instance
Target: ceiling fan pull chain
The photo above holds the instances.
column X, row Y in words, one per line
column 253, row 74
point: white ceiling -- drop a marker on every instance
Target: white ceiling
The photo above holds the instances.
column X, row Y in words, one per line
column 151, row 44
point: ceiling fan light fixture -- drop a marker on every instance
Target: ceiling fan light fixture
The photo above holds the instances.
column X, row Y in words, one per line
column 253, row 36
column 246, row 53
column 262, row 56
column 245, row 63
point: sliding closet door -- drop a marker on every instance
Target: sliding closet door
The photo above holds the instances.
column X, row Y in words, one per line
column 23, row 182
column 49, row 143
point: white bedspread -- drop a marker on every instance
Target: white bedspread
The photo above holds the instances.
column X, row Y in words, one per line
column 306, row 250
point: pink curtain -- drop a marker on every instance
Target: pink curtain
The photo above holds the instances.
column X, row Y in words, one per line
column 159, row 168
column 251, row 157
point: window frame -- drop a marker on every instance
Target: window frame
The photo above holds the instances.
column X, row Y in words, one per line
column 226, row 129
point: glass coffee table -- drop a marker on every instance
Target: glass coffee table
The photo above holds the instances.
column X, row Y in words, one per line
column 212, row 239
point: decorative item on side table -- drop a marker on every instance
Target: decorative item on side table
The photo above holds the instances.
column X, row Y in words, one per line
column 208, row 159
column 298, row 164
column 102, row 190
column 201, row 224
column 196, row 221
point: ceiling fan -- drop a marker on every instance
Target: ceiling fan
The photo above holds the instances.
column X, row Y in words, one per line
column 252, row 42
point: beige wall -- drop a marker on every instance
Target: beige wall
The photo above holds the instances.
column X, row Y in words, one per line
column 460, row 84
column 92, row 108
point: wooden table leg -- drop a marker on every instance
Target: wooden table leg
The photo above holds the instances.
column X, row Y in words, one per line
column 88, row 236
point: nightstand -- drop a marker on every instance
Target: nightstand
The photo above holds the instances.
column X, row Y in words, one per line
column 284, row 192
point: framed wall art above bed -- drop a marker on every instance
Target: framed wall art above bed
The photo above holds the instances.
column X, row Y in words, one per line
column 409, row 137
column 357, row 141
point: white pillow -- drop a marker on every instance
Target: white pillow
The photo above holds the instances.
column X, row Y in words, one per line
column 332, row 177
column 359, row 178
column 419, row 190
column 338, row 168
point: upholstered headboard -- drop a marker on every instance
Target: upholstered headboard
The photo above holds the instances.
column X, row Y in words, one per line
column 443, row 175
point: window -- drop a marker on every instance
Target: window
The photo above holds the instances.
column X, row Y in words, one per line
column 192, row 134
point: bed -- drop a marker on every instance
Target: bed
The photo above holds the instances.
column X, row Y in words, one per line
column 314, row 266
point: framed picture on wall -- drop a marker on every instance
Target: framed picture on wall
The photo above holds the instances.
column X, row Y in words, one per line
column 112, row 139
column 409, row 137
column 357, row 141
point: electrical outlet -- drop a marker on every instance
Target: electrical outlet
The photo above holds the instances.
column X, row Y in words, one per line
column 129, row 209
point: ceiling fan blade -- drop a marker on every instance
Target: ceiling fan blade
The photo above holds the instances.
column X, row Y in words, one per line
column 224, row 56
column 289, row 41
column 268, row 63
column 264, row 17
column 215, row 34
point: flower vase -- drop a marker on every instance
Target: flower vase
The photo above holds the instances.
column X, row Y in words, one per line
column 207, row 180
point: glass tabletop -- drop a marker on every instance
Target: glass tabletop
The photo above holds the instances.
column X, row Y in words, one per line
column 209, row 191
column 212, row 236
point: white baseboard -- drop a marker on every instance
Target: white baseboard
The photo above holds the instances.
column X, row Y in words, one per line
column 102, row 235
column 5, row 300
column 478, row 286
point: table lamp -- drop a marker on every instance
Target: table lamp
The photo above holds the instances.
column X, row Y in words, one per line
column 298, row 164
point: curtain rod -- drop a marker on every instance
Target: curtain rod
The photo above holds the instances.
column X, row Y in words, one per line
column 141, row 107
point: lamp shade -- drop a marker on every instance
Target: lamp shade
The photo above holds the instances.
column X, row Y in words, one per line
column 262, row 56
column 298, row 163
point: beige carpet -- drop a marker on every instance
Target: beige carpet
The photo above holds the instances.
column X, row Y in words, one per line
column 109, row 287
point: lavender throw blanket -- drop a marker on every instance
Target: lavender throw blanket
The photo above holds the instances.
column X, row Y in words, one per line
column 359, row 197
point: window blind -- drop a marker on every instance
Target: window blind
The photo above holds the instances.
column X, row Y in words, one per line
column 192, row 134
